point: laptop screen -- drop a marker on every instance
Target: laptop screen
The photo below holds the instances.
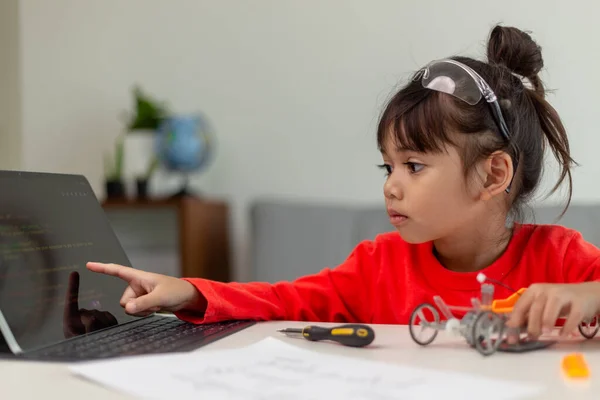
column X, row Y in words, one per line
column 50, row 226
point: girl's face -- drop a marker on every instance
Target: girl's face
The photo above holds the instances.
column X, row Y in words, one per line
column 428, row 196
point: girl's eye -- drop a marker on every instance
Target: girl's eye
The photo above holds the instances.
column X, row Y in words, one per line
column 413, row 168
column 387, row 168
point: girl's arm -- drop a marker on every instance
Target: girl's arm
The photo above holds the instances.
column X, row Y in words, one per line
column 342, row 294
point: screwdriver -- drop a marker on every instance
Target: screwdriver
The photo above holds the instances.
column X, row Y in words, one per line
column 354, row 335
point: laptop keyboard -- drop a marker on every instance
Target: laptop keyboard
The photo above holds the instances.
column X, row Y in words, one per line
column 151, row 335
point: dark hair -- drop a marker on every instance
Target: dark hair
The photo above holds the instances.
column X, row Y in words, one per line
column 426, row 120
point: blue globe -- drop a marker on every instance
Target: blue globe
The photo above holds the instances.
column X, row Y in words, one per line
column 184, row 143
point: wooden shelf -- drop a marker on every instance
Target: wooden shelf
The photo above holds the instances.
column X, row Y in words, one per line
column 143, row 203
column 203, row 226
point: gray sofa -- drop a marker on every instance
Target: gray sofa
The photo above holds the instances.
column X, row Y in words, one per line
column 291, row 238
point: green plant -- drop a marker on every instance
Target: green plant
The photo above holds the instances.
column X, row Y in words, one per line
column 151, row 168
column 148, row 112
column 113, row 167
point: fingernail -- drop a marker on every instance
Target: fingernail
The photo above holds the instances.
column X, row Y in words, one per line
column 132, row 306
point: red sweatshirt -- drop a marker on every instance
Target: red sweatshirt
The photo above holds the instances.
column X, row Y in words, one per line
column 382, row 281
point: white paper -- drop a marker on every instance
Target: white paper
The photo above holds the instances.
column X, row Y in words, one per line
column 274, row 370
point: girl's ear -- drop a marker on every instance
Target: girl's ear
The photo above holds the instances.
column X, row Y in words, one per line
column 498, row 173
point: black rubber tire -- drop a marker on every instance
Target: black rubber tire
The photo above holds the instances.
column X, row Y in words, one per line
column 594, row 332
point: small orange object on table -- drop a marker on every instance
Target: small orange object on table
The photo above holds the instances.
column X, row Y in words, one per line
column 575, row 366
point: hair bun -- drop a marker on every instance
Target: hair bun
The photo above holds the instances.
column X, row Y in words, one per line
column 517, row 51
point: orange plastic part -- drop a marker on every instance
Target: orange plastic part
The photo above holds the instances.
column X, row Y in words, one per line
column 501, row 306
column 575, row 366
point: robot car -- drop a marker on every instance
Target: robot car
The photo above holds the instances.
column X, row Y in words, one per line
column 483, row 324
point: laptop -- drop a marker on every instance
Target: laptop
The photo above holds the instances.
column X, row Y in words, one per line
column 51, row 307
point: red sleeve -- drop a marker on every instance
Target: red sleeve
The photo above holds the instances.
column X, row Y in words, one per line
column 582, row 261
column 333, row 295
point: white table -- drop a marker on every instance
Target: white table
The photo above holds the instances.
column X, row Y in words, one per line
column 29, row 380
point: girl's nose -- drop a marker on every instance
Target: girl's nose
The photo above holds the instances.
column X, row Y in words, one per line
column 392, row 188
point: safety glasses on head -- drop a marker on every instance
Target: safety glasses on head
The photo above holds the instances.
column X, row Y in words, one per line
column 459, row 80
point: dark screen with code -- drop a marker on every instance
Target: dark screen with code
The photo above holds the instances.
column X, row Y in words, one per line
column 51, row 225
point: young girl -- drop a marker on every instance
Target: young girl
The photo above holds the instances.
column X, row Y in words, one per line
column 462, row 146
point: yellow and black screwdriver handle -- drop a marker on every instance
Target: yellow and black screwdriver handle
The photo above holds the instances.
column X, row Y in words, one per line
column 354, row 335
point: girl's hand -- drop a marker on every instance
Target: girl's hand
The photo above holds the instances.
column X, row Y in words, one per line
column 542, row 304
column 148, row 292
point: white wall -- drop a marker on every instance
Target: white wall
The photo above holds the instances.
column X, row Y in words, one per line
column 293, row 88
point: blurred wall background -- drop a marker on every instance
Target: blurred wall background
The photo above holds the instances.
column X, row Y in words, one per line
column 292, row 88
